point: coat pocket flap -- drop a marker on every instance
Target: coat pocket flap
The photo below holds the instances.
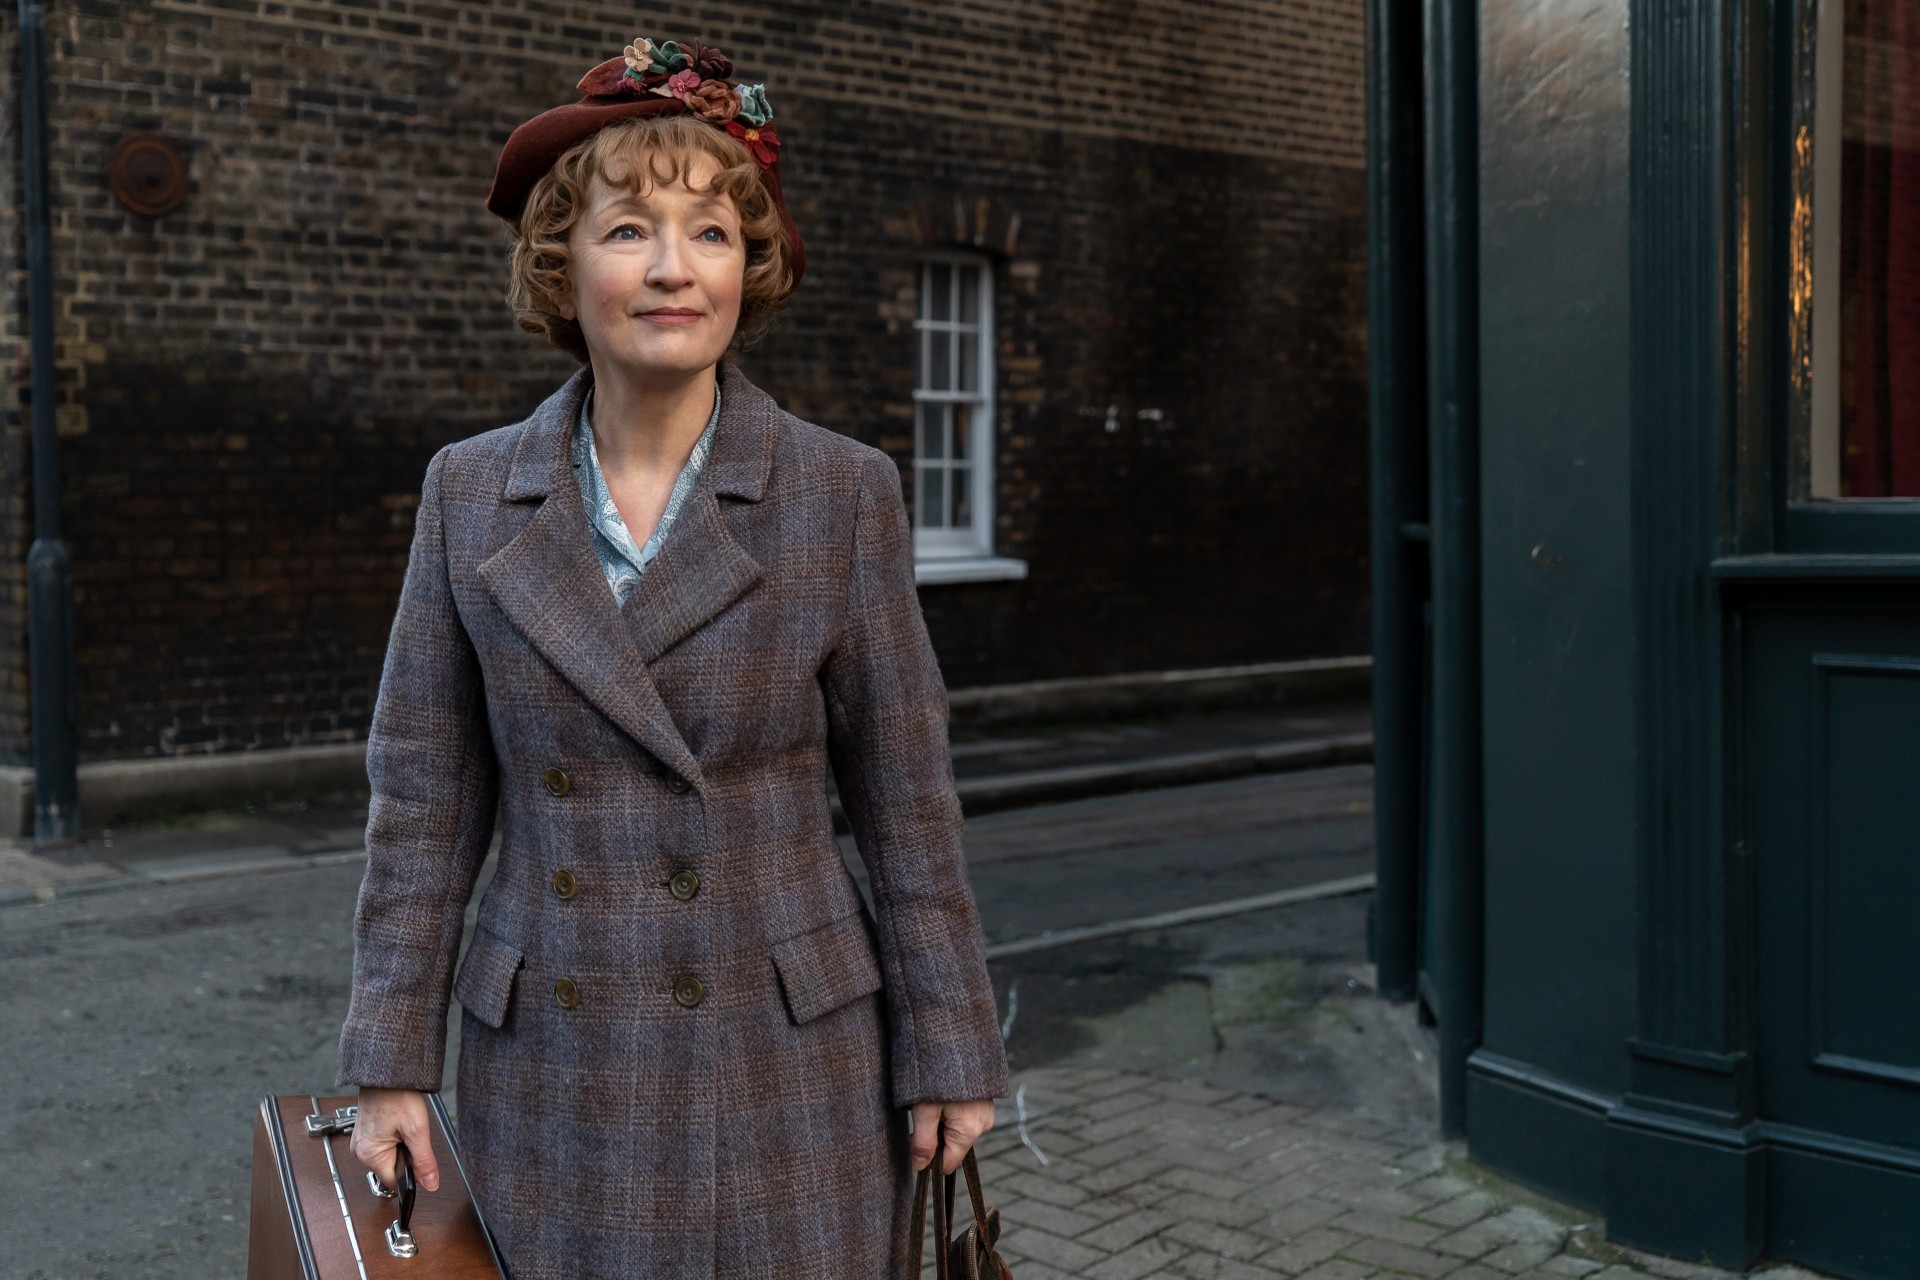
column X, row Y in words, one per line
column 484, row 984
column 826, row 967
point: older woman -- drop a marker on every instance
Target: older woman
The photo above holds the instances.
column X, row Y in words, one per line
column 638, row 626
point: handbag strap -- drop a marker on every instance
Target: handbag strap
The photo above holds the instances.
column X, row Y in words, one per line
column 972, row 1169
column 942, row 1209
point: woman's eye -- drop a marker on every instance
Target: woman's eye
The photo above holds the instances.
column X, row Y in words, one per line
column 716, row 231
column 618, row 232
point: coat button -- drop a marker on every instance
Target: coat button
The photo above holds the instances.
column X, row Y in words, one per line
column 567, row 992
column 677, row 784
column 557, row 781
column 684, row 885
column 564, row 884
column 689, row 990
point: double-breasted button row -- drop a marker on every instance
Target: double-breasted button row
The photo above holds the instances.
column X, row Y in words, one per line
column 688, row 991
column 684, row 884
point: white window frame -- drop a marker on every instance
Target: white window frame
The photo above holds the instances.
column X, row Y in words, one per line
column 944, row 554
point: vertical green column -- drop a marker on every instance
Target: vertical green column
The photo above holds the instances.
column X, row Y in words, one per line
column 1453, row 356
column 1684, row 1160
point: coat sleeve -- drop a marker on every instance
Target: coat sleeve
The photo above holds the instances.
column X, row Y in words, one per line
column 887, row 739
column 433, row 781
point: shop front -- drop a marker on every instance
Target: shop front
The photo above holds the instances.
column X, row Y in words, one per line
column 1645, row 344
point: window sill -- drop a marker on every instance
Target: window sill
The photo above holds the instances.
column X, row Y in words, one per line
column 933, row 571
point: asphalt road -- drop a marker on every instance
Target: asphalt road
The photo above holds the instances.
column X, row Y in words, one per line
column 142, row 1026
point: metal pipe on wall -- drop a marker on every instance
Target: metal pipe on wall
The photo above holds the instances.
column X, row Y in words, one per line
column 1397, row 413
column 50, row 628
column 1453, row 326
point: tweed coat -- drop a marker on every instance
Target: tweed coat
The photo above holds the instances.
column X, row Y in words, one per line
column 686, row 1043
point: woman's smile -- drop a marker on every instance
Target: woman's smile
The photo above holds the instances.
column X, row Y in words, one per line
column 670, row 315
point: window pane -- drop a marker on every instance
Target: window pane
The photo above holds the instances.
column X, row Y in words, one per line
column 961, row 481
column 969, row 360
column 933, row 497
column 970, row 295
column 1880, row 250
column 939, row 372
column 933, row 445
column 962, row 435
column 940, row 304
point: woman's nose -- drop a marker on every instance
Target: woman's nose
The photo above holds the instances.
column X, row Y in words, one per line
column 669, row 267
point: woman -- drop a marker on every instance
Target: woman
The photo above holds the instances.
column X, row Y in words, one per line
column 642, row 622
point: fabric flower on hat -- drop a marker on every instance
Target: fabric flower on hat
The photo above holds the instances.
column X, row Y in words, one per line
column 639, row 56
column 753, row 104
column 683, row 83
column 763, row 142
column 714, row 101
column 710, row 62
column 670, row 56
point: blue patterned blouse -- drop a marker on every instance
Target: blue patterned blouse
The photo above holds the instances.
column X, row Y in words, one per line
column 620, row 559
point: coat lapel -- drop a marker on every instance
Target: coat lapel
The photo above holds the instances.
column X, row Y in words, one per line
column 548, row 582
column 702, row 568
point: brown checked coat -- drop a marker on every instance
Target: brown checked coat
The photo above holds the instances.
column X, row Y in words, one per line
column 686, row 1043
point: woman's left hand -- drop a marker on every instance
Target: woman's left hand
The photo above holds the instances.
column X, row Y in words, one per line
column 955, row 1125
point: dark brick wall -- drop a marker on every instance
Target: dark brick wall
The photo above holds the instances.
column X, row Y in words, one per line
column 1224, row 291
column 252, row 384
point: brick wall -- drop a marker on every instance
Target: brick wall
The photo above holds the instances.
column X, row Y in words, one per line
column 251, row 385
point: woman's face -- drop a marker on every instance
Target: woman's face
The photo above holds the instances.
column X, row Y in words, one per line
column 657, row 277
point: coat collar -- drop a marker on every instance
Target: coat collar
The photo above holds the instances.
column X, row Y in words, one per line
column 548, row 580
column 738, row 466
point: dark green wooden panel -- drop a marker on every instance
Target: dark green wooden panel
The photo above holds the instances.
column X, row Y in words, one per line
column 1864, row 868
column 1845, row 1216
column 1830, row 808
column 1556, row 574
column 1538, row 1130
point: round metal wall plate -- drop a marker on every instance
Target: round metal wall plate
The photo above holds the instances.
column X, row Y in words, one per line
column 148, row 174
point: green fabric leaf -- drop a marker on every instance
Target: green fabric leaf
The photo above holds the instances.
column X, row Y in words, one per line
column 754, row 109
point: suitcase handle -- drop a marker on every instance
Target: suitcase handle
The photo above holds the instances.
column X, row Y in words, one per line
column 400, row 1241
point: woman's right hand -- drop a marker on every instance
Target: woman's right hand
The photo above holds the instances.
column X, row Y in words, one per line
column 385, row 1119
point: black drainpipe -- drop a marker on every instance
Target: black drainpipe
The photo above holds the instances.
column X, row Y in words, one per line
column 1397, row 413
column 56, row 787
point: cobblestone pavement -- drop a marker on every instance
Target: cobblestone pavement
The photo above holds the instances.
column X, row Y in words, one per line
column 1119, row 1176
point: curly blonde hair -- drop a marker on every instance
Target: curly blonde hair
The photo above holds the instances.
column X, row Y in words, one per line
column 540, row 279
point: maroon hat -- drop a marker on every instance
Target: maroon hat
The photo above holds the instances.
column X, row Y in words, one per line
column 669, row 78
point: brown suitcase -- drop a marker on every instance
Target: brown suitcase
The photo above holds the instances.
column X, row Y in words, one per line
column 316, row 1214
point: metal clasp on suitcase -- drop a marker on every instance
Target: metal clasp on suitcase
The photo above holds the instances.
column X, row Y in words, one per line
column 341, row 1121
column 399, row 1236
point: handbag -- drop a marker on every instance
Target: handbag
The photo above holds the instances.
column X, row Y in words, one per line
column 971, row 1254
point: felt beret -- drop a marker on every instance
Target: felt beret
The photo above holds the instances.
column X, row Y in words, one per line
column 670, row 78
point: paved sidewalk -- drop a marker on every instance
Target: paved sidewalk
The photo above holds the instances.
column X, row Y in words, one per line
column 1121, row 1176
column 994, row 770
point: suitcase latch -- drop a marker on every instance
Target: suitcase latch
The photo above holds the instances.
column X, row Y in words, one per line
column 341, row 1121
